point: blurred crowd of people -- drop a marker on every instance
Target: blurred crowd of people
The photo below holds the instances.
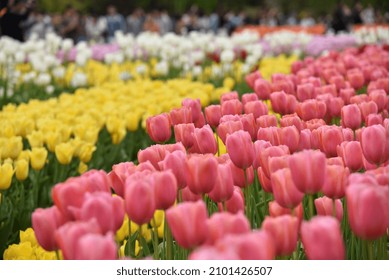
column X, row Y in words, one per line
column 20, row 19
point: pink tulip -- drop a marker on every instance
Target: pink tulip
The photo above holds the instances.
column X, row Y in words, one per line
column 322, row 239
column 259, row 145
column 351, row 153
column 228, row 127
column 368, row 209
column 335, row 161
column 159, row 128
column 358, row 99
column 276, row 210
column 229, row 96
column 325, row 207
column 305, row 92
column 271, row 134
column 212, row 253
column 266, row 121
column 239, row 177
column 356, row 78
column 334, row 107
column 283, row 103
column 290, row 136
column 139, row 200
column 285, row 192
column 106, row 209
column 69, row 235
column 264, row 181
column 367, row 108
column 284, row 85
column 176, row 163
column 188, row 223
column 248, row 123
column 117, row 177
column 94, row 246
column 266, row 154
column 257, row 108
column 375, row 144
column 236, row 203
column 338, row 81
column 213, row 113
column 181, row 115
column 277, row 163
column 240, row 148
column 249, row 97
column 331, row 89
column 311, row 109
column 314, row 124
column 262, row 89
column 252, row 78
column 308, row 170
column 373, row 119
column 165, row 189
column 351, row 116
column 221, row 224
column 292, row 120
column 232, row 107
column 330, row 138
column 379, row 97
column 224, row 185
column 346, row 94
column 184, row 133
column 194, row 106
column 198, row 165
column 45, row 222
column 188, row 195
column 305, row 140
column 284, row 230
column 204, row 141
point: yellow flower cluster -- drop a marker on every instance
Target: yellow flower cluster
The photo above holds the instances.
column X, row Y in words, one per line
column 279, row 64
column 28, row 249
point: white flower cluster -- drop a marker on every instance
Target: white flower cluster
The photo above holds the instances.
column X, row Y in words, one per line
column 372, row 35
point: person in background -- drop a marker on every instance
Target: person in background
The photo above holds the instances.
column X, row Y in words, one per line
column 12, row 16
column 165, row 22
column 95, row 28
column 341, row 17
column 368, row 15
column 356, row 17
column 135, row 21
column 115, row 22
column 70, row 24
column 306, row 19
column 37, row 23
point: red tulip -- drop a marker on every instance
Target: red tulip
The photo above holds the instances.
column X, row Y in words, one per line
column 325, row 207
column 351, row 116
column 159, row 128
column 94, row 246
column 213, row 113
column 368, row 209
column 375, row 144
column 308, row 170
column 45, row 222
column 188, row 223
column 69, row 235
column 221, row 224
column 284, row 230
column 198, row 165
column 139, row 200
column 240, row 148
column 285, row 192
column 322, row 239
column 224, row 185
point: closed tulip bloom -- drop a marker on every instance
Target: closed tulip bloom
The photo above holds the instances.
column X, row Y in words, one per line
column 338, row 81
column 356, row 78
column 290, row 137
column 21, row 169
column 64, row 153
column 232, row 107
column 380, row 98
column 213, row 113
column 198, row 165
column 252, row 78
column 248, row 97
column 277, row 163
column 256, row 245
column 335, row 161
column 267, row 153
column 266, row 121
column 241, row 149
column 176, row 163
column 165, row 189
column 221, row 224
column 305, row 92
column 97, row 181
column 368, row 209
column 351, row 116
column 284, row 230
column 311, row 109
column 368, row 108
column 45, row 222
column 153, row 154
column 322, row 239
column 334, row 107
column 248, row 122
column 106, row 209
column 292, row 120
column 330, row 137
column 259, row 145
column 264, row 181
column 188, row 195
column 283, row 103
column 139, row 200
column 360, row 98
column 204, row 141
column 325, row 207
column 346, row 94
column 184, row 133
column 284, row 190
column 305, row 140
column 276, row 210
column 236, row 203
column 257, row 108
column 195, row 107
column 373, row 119
column 159, row 128
column 336, row 181
column 38, row 158
column 271, row 134
column 351, row 153
column 224, row 185
column 229, row 96
column 228, row 127
column 35, row 139
column 118, row 175
column 6, row 174
column 262, row 89
column 181, row 115
column 314, row 124
column 308, row 170
column 188, row 223
column 94, row 246
column 375, row 144
column 68, row 236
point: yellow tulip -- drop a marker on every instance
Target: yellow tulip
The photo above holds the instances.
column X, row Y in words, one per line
column 25, row 154
column 86, row 152
column 52, row 139
column 21, row 169
column 38, row 158
column 13, row 148
column 158, row 218
column 64, row 153
column 6, row 173
column 28, row 236
column 35, row 139
column 82, row 168
column 132, row 121
column 22, row 251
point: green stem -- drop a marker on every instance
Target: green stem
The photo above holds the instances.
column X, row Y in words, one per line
column 169, row 241
column 370, row 250
column 129, row 239
column 57, row 255
column 311, row 206
column 334, row 208
column 155, row 240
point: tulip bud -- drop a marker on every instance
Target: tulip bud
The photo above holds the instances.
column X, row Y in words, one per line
column 21, row 169
column 158, row 128
column 38, row 158
column 197, row 165
column 325, row 207
column 285, row 192
column 240, row 149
